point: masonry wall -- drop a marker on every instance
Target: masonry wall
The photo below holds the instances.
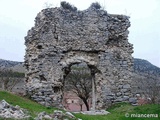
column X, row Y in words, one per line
column 62, row 37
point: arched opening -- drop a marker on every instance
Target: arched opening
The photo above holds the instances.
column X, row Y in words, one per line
column 79, row 92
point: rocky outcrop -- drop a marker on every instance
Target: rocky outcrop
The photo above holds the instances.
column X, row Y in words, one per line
column 65, row 36
column 9, row 111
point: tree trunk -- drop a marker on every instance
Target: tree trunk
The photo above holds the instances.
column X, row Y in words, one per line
column 86, row 104
column 81, row 107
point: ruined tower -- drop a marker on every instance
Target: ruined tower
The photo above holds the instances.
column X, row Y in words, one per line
column 64, row 36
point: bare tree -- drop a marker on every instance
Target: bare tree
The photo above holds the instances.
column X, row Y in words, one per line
column 79, row 81
column 153, row 89
column 9, row 79
column 148, row 86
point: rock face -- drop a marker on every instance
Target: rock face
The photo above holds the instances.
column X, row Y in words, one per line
column 65, row 36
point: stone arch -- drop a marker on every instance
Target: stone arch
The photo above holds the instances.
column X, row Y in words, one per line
column 92, row 65
column 90, row 61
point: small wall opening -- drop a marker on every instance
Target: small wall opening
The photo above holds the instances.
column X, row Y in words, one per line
column 56, row 89
column 39, row 46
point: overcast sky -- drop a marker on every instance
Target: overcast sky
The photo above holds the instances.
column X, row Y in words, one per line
column 17, row 17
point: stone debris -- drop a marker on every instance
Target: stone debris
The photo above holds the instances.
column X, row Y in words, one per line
column 43, row 115
column 64, row 36
column 96, row 112
column 70, row 114
column 133, row 100
column 57, row 115
column 9, row 111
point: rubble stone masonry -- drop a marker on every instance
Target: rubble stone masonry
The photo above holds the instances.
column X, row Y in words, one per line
column 62, row 37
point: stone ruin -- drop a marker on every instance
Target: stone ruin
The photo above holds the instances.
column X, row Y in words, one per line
column 64, row 36
column 8, row 111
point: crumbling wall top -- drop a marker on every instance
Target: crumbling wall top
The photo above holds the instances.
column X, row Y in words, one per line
column 87, row 30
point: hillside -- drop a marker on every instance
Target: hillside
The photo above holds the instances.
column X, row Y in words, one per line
column 12, row 65
column 25, row 103
column 144, row 67
column 141, row 66
column 8, row 63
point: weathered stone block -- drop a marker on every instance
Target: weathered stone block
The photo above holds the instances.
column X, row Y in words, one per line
column 118, row 94
column 125, row 98
column 124, row 90
column 127, row 86
column 119, row 99
column 133, row 100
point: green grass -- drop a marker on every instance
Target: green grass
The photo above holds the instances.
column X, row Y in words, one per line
column 25, row 103
column 117, row 111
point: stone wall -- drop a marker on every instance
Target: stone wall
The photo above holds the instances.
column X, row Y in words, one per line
column 62, row 37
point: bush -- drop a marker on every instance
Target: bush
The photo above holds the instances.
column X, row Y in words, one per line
column 66, row 5
column 95, row 5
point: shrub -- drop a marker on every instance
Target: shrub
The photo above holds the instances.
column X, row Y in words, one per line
column 95, row 5
column 66, row 5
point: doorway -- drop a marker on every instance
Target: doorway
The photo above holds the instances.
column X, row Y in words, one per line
column 79, row 87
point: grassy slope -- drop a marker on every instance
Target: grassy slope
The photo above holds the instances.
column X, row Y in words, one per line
column 117, row 112
column 31, row 106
